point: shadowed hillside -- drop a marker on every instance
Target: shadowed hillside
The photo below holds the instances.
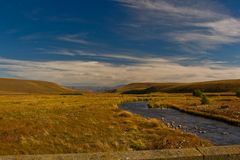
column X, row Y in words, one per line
column 16, row 86
column 209, row 86
column 140, row 88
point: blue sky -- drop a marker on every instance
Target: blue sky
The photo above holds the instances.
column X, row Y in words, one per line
column 110, row 42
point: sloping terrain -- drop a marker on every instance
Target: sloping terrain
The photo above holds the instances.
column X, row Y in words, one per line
column 16, row 86
column 209, row 86
column 138, row 88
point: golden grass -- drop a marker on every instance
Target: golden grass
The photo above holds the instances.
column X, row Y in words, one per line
column 125, row 114
column 16, row 86
column 44, row 124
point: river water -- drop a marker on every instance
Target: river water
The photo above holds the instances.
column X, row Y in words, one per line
column 217, row 132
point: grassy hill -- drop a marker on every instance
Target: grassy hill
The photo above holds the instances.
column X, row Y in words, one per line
column 209, row 86
column 137, row 88
column 16, row 86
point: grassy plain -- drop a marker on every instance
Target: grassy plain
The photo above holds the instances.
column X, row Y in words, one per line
column 42, row 124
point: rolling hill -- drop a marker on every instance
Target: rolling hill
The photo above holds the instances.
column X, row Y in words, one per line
column 208, row 86
column 17, row 86
column 138, row 88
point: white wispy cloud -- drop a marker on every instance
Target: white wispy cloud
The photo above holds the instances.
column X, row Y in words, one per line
column 175, row 9
column 111, row 56
column 225, row 31
column 74, row 38
column 99, row 73
column 194, row 24
column 227, row 27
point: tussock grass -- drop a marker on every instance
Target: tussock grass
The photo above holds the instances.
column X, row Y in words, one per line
column 48, row 124
column 125, row 114
column 151, row 123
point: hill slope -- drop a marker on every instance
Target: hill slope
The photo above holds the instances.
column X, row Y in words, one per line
column 138, row 88
column 209, row 86
column 16, row 86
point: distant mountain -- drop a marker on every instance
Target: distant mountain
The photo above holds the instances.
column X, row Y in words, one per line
column 17, row 86
column 209, row 86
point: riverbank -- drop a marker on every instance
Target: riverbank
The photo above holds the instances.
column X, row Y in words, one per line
column 197, row 113
column 221, row 108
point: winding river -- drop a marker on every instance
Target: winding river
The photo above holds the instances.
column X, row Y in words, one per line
column 219, row 133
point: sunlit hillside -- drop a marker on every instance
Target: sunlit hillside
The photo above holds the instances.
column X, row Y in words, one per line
column 16, row 86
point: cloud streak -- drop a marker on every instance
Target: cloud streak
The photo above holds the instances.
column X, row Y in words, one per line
column 74, row 38
column 198, row 25
column 113, row 56
column 174, row 9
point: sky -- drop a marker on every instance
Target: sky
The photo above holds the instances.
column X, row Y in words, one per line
column 112, row 42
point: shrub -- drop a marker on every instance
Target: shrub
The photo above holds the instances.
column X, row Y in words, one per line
column 204, row 100
column 238, row 93
column 197, row 93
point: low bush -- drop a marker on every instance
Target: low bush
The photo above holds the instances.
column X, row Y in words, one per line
column 197, row 93
column 238, row 93
column 204, row 100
